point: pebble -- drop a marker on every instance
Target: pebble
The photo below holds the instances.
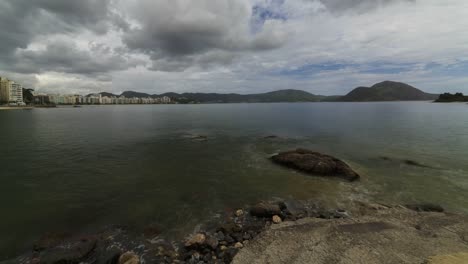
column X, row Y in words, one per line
column 276, row 219
column 129, row 258
column 239, row 213
column 238, row 245
column 223, row 247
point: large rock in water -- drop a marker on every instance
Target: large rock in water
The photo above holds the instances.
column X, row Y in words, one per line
column 315, row 163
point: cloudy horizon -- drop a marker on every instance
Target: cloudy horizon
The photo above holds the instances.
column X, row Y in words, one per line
column 324, row 47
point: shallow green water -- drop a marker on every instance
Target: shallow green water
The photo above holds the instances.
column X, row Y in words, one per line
column 82, row 168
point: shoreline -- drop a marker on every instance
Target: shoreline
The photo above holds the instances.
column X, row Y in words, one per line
column 16, row 108
column 262, row 233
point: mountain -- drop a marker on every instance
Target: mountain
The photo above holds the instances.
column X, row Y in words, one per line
column 275, row 96
column 384, row 91
column 387, row 91
column 131, row 94
column 108, row 94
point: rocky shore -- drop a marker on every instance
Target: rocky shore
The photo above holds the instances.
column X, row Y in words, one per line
column 281, row 231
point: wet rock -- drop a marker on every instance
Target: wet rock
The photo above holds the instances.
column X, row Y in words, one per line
column 229, row 239
column 229, row 227
column 72, row 253
column 212, row 242
column 196, row 240
column 276, row 219
column 219, row 235
column 50, row 240
column 110, row 256
column 315, row 163
column 152, row 230
column 227, row 255
column 270, row 137
column 427, row 207
column 293, row 209
column 129, row 258
column 265, row 210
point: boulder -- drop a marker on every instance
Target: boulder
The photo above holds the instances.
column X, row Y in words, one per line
column 315, row 163
column 265, row 209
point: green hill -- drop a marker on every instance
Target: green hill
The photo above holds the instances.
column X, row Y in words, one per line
column 387, row 91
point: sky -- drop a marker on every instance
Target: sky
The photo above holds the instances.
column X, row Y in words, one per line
column 324, row 47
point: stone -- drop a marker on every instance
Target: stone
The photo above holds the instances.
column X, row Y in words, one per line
column 129, row 258
column 196, row 240
column 265, row 209
column 293, row 209
column 230, row 227
column 212, row 242
column 72, row 253
column 223, row 248
column 276, row 219
column 239, row 213
column 426, row 207
column 110, row 256
column 315, row 163
column 219, row 235
column 238, row 245
column 229, row 239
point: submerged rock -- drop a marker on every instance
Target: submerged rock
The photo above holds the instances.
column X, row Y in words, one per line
column 416, row 164
column 315, row 163
column 265, row 209
column 73, row 253
column 427, row 207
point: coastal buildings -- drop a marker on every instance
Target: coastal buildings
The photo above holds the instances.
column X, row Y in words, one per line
column 10, row 92
column 96, row 99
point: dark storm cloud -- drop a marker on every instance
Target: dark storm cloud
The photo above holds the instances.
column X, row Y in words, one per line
column 22, row 20
column 179, row 34
column 65, row 57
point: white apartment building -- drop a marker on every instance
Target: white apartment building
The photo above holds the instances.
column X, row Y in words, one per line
column 10, row 92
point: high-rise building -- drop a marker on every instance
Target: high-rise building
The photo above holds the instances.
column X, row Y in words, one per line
column 16, row 93
column 10, row 92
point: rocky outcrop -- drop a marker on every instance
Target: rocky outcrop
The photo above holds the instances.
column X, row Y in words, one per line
column 374, row 234
column 279, row 231
column 315, row 163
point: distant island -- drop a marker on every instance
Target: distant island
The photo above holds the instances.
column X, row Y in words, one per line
column 384, row 91
column 387, row 91
column 450, row 98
